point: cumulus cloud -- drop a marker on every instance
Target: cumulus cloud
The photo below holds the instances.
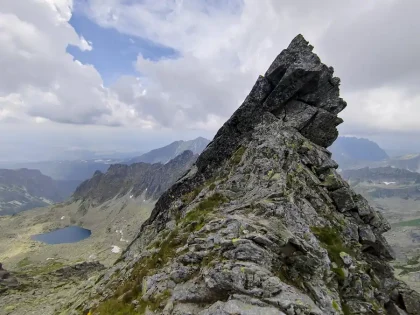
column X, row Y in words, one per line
column 40, row 80
column 222, row 47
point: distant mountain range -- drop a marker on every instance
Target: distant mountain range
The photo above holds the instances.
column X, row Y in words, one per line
column 167, row 153
column 50, row 182
column 409, row 162
column 81, row 170
column 350, row 152
column 25, row 189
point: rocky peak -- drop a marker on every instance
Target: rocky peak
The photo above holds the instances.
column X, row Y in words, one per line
column 134, row 179
column 263, row 223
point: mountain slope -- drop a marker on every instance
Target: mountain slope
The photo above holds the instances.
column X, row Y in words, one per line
column 135, row 179
column 262, row 223
column 409, row 162
column 69, row 170
column 25, row 189
column 166, row 153
column 351, row 151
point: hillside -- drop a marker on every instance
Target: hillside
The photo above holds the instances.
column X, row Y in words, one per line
column 262, row 223
column 134, row 179
column 25, row 189
column 166, row 153
column 409, row 162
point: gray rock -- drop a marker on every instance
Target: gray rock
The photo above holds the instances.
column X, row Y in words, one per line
column 343, row 199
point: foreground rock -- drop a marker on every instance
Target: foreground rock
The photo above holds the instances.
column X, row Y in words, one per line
column 262, row 223
column 7, row 281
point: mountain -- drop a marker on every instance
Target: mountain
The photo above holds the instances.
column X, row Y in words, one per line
column 262, row 223
column 25, row 189
column 134, row 179
column 409, row 162
column 76, row 170
column 352, row 152
column 166, row 153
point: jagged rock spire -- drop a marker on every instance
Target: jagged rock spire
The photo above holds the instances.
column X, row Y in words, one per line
column 298, row 90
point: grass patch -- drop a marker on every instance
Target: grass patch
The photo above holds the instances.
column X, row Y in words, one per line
column 31, row 269
column 332, row 242
column 23, row 263
column 336, row 306
column 202, row 211
column 406, row 270
column 237, row 156
column 187, row 198
column 115, row 307
column 415, row 222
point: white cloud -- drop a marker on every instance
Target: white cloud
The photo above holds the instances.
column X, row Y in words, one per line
column 85, row 45
column 223, row 46
column 40, row 80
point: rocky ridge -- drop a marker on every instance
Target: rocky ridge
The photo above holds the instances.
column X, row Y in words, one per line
column 170, row 151
column 262, row 223
column 134, row 179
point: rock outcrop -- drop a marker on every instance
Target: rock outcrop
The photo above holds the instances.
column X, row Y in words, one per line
column 7, row 281
column 262, row 223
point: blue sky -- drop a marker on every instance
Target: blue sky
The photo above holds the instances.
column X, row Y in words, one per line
column 113, row 53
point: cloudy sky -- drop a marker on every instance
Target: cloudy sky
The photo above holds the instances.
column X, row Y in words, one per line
column 131, row 75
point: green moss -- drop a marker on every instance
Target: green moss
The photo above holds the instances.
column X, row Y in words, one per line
column 332, row 242
column 336, row 306
column 340, row 272
column 212, row 186
column 237, row 156
column 235, row 240
column 346, row 309
column 330, row 180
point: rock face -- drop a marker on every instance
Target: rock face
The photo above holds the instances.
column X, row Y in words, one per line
column 138, row 178
column 7, row 281
column 262, row 223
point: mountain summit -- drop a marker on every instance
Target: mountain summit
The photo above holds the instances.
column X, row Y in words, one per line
column 262, row 223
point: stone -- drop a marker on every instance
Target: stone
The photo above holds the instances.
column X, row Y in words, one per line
column 343, row 199
column 366, row 235
column 411, row 301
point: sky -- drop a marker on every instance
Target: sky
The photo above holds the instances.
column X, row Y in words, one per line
column 132, row 75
